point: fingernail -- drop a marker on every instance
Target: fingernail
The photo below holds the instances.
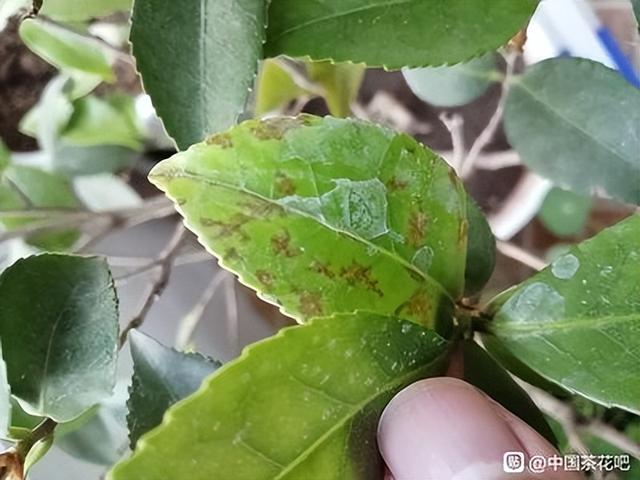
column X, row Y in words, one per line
column 444, row 428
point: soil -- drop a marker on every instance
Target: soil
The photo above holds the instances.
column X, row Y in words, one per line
column 23, row 76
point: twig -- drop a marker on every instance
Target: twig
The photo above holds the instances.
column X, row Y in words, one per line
column 566, row 415
column 490, row 130
column 231, row 303
column 154, row 208
column 191, row 320
column 165, row 261
column 519, row 254
column 455, row 124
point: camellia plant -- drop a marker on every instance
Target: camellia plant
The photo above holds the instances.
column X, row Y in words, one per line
column 361, row 234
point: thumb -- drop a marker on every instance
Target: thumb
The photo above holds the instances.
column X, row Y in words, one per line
column 444, row 428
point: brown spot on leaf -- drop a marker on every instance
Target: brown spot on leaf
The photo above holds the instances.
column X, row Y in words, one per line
column 310, row 304
column 181, row 201
column 228, row 228
column 462, row 231
column 322, row 269
column 281, row 245
column 452, row 176
column 418, row 305
column 274, row 129
column 223, row 140
column 265, row 278
column 395, row 184
column 284, row 185
column 231, row 255
column 417, row 228
column 360, row 274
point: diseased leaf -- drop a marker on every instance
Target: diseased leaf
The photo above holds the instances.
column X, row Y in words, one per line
column 481, row 370
column 455, row 85
column 576, row 323
column 198, row 61
column 81, row 10
column 65, row 49
column 481, row 250
column 564, row 213
column 58, row 327
column 288, row 408
column 340, row 83
column 161, row 377
column 393, row 33
column 575, row 122
column 327, row 216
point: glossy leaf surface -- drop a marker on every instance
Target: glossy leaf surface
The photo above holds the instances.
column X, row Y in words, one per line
column 288, row 408
column 60, row 347
column 481, row 250
column 327, row 216
column 577, row 323
column 571, row 115
column 161, row 377
column 394, row 33
column 198, row 61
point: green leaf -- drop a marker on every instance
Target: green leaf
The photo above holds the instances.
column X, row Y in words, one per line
column 99, row 436
column 636, row 9
column 81, row 10
column 103, row 121
column 564, row 213
column 576, row 322
column 32, row 187
column 198, row 61
column 481, row 370
column 50, row 115
column 393, row 33
column 5, row 399
column 59, row 326
column 327, row 216
column 578, row 140
column 340, row 83
column 275, row 88
column 66, row 49
column 72, row 160
column 288, row 407
column 481, row 251
column 104, row 192
column 455, row 85
column 161, row 377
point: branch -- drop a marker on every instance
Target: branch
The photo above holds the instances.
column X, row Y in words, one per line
column 454, row 124
column 566, row 414
column 489, row 131
column 521, row 255
column 191, row 320
column 165, row 261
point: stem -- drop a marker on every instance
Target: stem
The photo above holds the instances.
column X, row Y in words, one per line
column 42, row 431
column 165, row 262
column 490, row 130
